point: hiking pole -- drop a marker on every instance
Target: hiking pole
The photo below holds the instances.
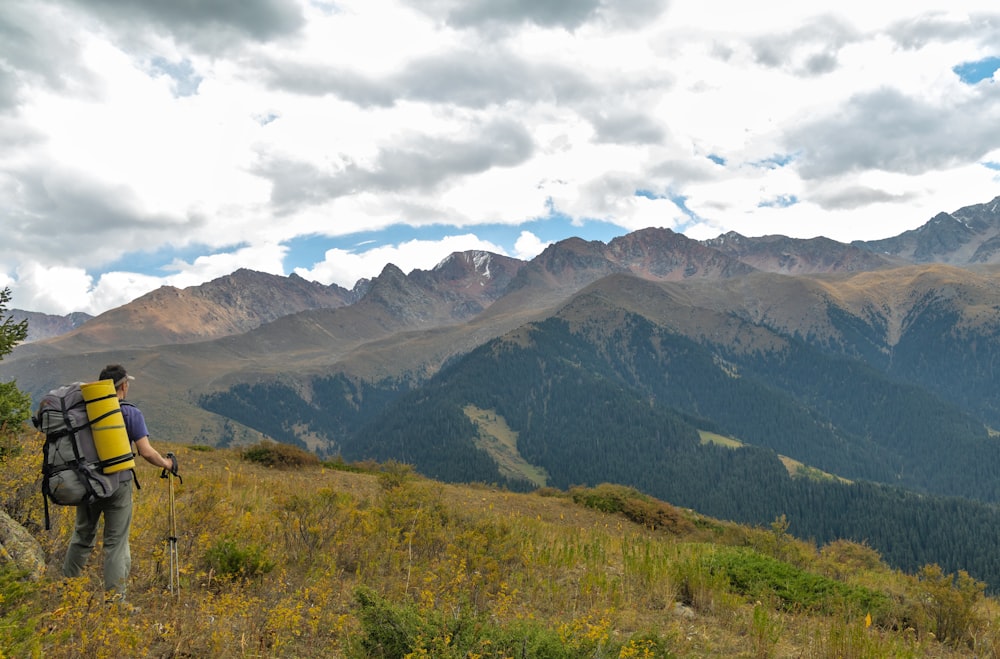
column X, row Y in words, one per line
column 175, row 579
column 175, row 586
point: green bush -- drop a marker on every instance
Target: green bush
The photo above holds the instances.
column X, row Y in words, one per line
column 393, row 474
column 18, row 622
column 229, row 559
column 948, row 604
column 634, row 506
column 697, row 587
column 760, row 577
column 273, row 454
column 10, row 444
column 390, row 632
column 395, row 631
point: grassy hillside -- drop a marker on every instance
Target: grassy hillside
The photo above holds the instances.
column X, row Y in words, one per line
column 282, row 556
column 589, row 406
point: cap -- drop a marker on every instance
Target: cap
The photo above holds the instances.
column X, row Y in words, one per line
column 115, row 372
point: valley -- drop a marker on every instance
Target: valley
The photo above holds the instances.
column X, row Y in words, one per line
column 871, row 368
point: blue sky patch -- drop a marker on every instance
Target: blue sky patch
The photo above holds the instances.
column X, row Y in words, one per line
column 781, row 201
column 992, row 165
column 972, row 72
column 648, row 194
column 681, row 202
column 155, row 263
column 264, row 118
column 186, row 81
column 774, row 162
column 718, row 160
column 307, row 251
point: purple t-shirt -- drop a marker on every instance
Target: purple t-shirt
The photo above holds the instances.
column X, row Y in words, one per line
column 135, row 422
column 135, row 426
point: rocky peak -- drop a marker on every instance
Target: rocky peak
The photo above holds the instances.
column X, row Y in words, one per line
column 44, row 326
column 968, row 235
column 232, row 304
column 666, row 255
column 461, row 285
column 785, row 255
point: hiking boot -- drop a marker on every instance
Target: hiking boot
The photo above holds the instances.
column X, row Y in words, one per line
column 118, row 601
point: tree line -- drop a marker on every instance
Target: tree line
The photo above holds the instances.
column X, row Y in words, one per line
column 625, row 406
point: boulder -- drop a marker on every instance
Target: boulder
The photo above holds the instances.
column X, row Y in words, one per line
column 18, row 547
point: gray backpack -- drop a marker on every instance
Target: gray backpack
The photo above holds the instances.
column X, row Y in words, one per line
column 71, row 469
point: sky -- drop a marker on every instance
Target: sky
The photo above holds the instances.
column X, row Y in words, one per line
column 146, row 143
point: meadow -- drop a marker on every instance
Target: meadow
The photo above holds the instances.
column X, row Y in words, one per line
column 282, row 555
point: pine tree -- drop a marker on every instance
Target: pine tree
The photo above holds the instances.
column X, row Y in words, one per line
column 15, row 405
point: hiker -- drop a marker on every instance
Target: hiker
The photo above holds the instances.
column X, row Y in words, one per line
column 117, row 508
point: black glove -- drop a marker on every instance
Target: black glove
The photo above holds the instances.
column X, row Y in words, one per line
column 173, row 468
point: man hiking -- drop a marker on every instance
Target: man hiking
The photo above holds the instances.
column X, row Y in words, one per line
column 117, row 508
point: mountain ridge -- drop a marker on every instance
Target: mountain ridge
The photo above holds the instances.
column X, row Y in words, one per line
column 267, row 322
column 871, row 367
column 771, row 253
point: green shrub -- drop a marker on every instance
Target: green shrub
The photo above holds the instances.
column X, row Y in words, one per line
column 18, row 620
column 698, row 587
column 393, row 474
column 949, row 603
column 272, row 454
column 10, row 443
column 229, row 559
column 395, row 631
column 605, row 497
column 634, row 506
column 339, row 464
column 760, row 577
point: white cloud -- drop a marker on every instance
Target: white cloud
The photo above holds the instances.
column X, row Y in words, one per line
column 263, row 258
column 528, row 246
column 61, row 289
column 153, row 128
column 116, row 288
column 55, row 289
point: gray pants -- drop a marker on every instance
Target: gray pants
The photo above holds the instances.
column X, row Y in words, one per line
column 117, row 511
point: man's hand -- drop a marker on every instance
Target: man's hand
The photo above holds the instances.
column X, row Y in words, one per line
column 172, row 469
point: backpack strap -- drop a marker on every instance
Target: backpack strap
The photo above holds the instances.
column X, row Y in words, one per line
column 45, row 502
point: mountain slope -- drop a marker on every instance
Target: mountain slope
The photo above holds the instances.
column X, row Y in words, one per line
column 621, row 403
column 601, row 362
column 604, row 571
column 792, row 256
column 969, row 235
column 775, row 391
column 46, row 326
column 225, row 306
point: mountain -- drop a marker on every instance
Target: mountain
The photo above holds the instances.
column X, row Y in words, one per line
column 44, row 326
column 743, row 293
column 969, row 235
column 229, row 305
column 793, row 256
column 874, row 362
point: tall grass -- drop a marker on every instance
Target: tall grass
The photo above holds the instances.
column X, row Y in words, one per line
column 282, row 557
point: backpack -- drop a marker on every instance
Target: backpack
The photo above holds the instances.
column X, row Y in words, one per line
column 72, row 472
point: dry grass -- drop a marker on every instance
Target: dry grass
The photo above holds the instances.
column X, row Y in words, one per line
column 311, row 561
